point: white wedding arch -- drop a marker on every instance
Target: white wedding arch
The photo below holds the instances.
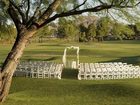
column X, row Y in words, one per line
column 74, row 64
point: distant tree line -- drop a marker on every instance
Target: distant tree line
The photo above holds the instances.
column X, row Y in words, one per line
column 7, row 33
column 69, row 29
column 100, row 30
column 7, row 29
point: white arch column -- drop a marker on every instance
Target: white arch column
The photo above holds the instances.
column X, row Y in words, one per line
column 75, row 64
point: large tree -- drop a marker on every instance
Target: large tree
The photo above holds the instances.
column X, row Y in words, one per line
column 91, row 32
column 122, row 31
column 67, row 29
column 103, row 28
column 31, row 15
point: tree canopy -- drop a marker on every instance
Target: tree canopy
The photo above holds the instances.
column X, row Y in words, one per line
column 68, row 29
column 41, row 12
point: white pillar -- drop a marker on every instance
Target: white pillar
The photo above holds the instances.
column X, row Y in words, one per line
column 73, row 62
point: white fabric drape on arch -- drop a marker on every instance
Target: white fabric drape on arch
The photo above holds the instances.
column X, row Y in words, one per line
column 64, row 59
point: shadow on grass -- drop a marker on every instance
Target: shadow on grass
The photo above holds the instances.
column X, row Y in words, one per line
column 102, row 89
column 129, row 60
column 53, row 45
column 51, row 58
column 41, row 59
column 115, row 90
column 49, row 52
column 122, row 42
column 69, row 73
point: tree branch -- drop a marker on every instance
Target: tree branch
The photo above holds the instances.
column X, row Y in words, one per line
column 137, row 4
column 69, row 13
column 101, row 1
column 28, row 9
column 112, row 2
column 19, row 11
column 36, row 12
column 122, row 2
column 52, row 7
column 15, row 17
column 77, row 12
column 35, row 15
column 78, row 6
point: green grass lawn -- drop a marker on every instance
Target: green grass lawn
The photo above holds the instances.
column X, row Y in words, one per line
column 69, row 90
column 113, row 51
column 26, row 91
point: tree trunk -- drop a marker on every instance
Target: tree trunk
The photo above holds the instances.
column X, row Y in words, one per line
column 11, row 62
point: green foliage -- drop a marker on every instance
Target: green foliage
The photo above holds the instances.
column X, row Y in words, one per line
column 83, row 28
column 7, row 33
column 83, row 37
column 83, row 33
column 3, row 14
column 122, row 31
column 138, row 26
column 7, row 30
column 91, row 31
column 103, row 27
column 67, row 5
column 46, row 31
column 67, row 29
column 128, row 32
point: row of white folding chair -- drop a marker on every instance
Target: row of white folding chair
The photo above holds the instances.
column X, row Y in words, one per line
column 54, row 71
column 41, row 70
column 107, row 73
column 126, row 71
column 116, row 69
column 58, row 71
column 96, row 65
column 27, row 69
column 82, row 73
column 32, row 64
column 87, row 67
column 26, row 66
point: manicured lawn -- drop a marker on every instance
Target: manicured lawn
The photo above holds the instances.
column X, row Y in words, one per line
column 26, row 91
column 125, row 51
column 69, row 90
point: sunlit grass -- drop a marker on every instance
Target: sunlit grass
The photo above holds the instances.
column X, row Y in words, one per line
column 124, row 51
column 26, row 91
column 69, row 90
